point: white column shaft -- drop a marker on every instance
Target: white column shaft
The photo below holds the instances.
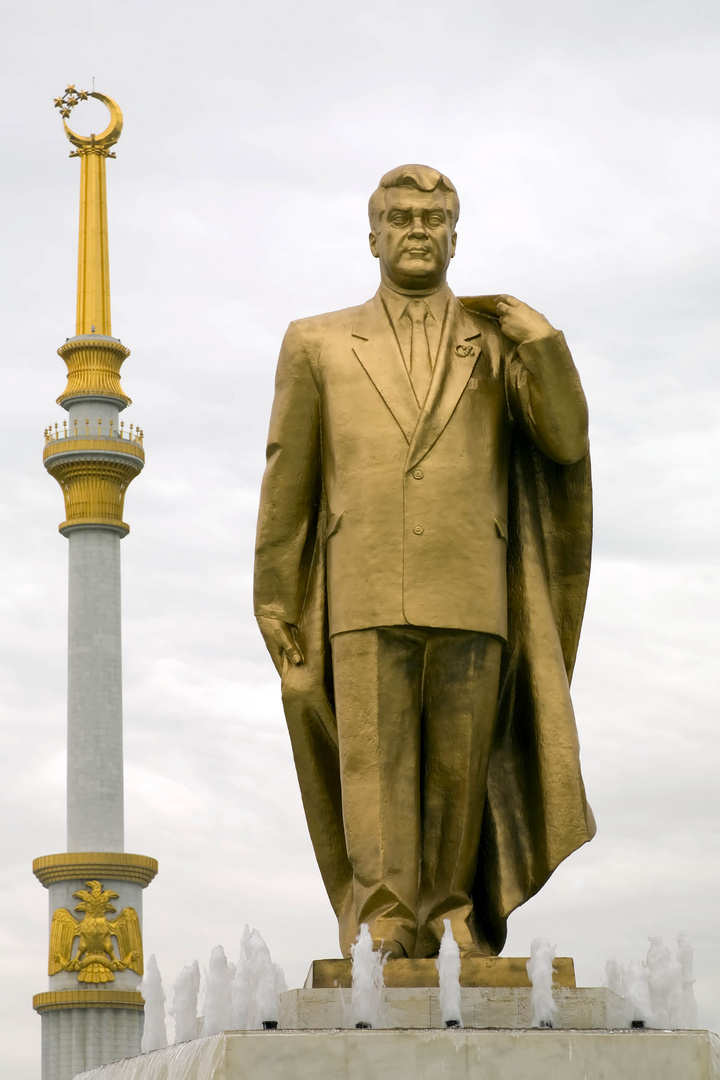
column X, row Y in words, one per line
column 95, row 750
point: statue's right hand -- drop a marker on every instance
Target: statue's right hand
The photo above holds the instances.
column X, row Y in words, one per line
column 279, row 637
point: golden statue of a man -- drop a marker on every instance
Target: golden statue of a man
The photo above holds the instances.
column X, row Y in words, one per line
column 421, row 568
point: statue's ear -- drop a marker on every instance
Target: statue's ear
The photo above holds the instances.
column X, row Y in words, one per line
column 373, row 244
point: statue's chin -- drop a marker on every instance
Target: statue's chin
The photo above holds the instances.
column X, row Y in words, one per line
column 417, row 277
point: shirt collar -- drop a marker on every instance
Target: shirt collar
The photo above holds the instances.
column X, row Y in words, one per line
column 396, row 302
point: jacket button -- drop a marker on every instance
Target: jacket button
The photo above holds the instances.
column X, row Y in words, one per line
column 418, row 529
column 418, row 474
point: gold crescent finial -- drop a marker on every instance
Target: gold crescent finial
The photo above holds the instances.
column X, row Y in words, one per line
column 89, row 144
column 93, row 302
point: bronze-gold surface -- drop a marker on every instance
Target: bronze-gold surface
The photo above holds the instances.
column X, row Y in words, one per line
column 93, row 369
column 95, row 960
column 84, row 865
column 93, row 296
column 52, row 1000
column 94, row 474
column 93, row 466
column 422, row 561
column 506, row 971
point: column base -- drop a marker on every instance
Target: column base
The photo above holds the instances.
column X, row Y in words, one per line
column 75, row 1039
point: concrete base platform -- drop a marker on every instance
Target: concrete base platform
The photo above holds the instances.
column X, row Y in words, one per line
column 456, row 1054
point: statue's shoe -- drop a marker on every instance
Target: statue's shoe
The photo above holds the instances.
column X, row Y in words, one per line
column 393, row 950
column 474, row 949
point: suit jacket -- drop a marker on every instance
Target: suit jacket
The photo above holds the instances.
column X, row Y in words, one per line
column 416, row 495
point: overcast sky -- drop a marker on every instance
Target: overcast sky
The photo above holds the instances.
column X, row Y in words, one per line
column 583, row 140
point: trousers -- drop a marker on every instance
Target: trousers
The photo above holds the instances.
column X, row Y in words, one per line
column 416, row 714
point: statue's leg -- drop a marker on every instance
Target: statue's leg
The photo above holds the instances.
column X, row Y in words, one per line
column 462, row 672
column 378, row 676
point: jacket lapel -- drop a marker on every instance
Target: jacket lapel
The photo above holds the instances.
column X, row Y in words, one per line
column 375, row 346
column 460, row 347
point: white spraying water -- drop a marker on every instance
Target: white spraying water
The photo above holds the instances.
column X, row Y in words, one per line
column 448, row 965
column 659, row 991
column 540, row 971
column 241, row 991
column 280, row 980
column 614, row 982
column 637, row 993
column 688, row 1006
column 265, row 1007
column 185, row 1002
column 154, row 1030
column 614, row 976
column 664, row 984
column 368, row 982
column 218, row 1010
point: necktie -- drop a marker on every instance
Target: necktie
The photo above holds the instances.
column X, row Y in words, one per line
column 420, row 366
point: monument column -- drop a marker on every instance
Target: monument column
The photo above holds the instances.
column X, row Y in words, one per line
column 92, row 1013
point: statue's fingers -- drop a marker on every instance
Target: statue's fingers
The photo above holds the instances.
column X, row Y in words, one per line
column 288, row 645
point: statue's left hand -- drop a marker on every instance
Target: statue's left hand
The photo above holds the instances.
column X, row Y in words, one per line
column 520, row 322
column 280, row 640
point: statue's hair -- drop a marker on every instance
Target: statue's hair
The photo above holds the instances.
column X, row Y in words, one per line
column 420, row 177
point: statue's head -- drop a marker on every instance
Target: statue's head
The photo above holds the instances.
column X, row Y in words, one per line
column 413, row 213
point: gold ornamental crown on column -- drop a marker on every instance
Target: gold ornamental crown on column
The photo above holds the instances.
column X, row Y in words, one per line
column 93, row 473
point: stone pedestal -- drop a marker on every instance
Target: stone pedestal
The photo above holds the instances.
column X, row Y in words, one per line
column 456, row 1054
column 419, row 1007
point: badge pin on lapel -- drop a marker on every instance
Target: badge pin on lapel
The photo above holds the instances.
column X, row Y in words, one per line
column 465, row 350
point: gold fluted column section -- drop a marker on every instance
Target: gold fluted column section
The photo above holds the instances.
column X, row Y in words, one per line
column 93, row 295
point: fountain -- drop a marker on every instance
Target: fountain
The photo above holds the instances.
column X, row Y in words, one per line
column 185, row 1002
column 367, row 981
column 659, row 991
column 540, row 970
column 637, row 994
column 448, row 965
column 154, row 1030
column 315, row 1042
column 218, row 1008
column 240, row 992
column 265, row 1007
column 688, row 1006
column 664, row 985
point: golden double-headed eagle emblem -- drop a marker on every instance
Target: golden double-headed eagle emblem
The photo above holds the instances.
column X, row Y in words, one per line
column 95, row 959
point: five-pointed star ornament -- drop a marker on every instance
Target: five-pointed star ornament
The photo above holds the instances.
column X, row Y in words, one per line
column 69, row 99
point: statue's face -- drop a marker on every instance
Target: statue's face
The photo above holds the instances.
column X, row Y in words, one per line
column 415, row 240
